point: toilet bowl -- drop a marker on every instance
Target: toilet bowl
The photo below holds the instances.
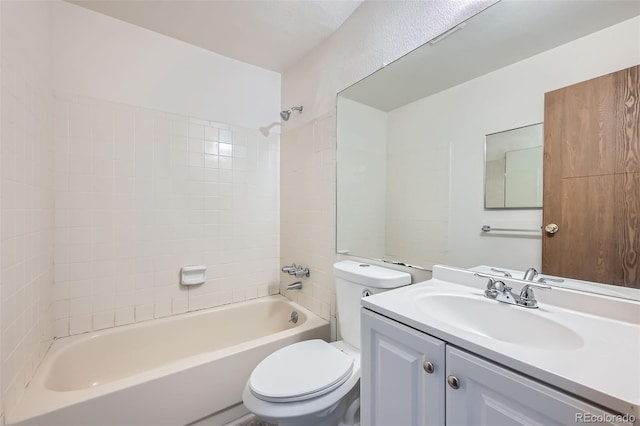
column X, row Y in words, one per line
column 315, row 382
column 318, row 384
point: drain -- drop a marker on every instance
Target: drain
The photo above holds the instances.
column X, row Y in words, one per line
column 294, row 317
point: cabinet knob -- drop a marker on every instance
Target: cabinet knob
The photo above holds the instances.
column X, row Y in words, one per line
column 428, row 366
column 453, row 382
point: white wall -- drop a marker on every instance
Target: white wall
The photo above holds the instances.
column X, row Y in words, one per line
column 377, row 33
column 105, row 58
column 160, row 163
column 508, row 98
column 27, row 193
column 363, row 179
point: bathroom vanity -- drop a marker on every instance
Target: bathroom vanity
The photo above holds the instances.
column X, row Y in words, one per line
column 441, row 353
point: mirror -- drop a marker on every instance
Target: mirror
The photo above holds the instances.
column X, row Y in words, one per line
column 410, row 151
column 513, row 168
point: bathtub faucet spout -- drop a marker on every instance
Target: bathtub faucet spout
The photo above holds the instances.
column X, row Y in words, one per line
column 295, row 286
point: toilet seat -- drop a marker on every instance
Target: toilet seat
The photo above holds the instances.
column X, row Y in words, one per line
column 300, row 372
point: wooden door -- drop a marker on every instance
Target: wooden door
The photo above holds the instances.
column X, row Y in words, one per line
column 592, row 180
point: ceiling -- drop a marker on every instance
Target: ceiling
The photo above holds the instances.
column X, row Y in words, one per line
column 271, row 34
column 505, row 33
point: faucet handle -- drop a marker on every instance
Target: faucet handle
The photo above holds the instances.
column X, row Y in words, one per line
column 550, row 280
column 300, row 271
column 500, row 271
column 501, row 287
column 490, row 291
column 289, row 269
column 531, row 286
column 527, row 298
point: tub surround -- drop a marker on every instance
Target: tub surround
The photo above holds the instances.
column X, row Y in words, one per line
column 141, row 193
column 27, row 226
column 175, row 370
column 600, row 364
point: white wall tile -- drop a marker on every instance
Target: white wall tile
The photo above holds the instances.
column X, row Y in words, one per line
column 171, row 200
column 80, row 324
column 103, row 320
column 62, row 327
column 124, row 315
column 308, row 216
column 144, row 312
column 28, row 186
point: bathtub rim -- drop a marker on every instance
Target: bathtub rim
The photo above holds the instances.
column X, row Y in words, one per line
column 38, row 400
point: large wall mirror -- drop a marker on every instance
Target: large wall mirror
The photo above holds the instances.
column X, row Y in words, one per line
column 411, row 160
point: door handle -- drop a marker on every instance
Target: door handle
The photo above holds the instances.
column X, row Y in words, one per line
column 551, row 228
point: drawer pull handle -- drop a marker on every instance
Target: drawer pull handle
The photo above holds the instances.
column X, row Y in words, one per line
column 428, row 366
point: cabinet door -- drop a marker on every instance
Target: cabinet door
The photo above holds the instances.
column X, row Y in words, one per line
column 494, row 396
column 398, row 386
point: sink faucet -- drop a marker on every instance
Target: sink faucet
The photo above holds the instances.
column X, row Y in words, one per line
column 530, row 274
column 501, row 292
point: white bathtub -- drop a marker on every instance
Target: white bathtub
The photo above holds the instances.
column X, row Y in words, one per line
column 171, row 371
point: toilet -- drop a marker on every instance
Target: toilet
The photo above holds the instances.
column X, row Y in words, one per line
column 314, row 382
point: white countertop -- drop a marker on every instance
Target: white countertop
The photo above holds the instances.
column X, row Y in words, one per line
column 604, row 369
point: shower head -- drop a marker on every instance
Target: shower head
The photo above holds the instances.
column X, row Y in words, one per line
column 287, row 113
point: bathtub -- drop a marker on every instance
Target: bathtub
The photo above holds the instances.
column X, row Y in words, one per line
column 171, row 371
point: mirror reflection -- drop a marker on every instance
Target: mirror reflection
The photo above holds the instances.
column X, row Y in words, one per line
column 513, row 168
column 410, row 160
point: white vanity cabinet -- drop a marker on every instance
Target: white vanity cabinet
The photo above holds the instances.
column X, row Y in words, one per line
column 397, row 390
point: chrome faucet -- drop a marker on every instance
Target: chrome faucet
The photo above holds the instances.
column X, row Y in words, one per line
column 498, row 290
column 296, row 270
column 295, row 286
column 530, row 274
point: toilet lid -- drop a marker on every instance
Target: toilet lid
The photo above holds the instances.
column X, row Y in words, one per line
column 300, row 371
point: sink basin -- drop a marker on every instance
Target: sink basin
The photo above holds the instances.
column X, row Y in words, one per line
column 501, row 321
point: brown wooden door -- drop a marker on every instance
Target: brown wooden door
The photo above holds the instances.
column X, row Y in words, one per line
column 592, row 180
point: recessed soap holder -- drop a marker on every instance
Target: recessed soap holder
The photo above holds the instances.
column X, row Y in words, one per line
column 193, row 274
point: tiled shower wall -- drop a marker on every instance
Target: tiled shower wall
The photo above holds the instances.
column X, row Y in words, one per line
column 27, row 193
column 139, row 194
column 308, row 180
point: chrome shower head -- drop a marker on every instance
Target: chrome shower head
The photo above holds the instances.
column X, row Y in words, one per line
column 287, row 113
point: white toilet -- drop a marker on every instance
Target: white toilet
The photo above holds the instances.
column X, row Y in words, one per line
column 315, row 382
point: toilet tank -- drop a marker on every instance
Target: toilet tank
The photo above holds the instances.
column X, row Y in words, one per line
column 355, row 280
